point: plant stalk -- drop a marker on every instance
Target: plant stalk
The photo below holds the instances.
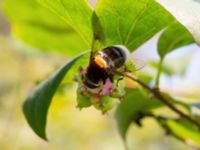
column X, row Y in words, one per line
column 159, row 72
column 159, row 96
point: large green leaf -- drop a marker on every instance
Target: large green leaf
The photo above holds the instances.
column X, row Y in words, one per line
column 187, row 13
column 133, row 104
column 77, row 13
column 173, row 37
column 60, row 41
column 30, row 11
column 40, row 28
column 37, row 104
column 131, row 22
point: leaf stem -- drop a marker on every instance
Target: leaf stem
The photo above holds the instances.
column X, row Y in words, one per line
column 159, row 73
column 159, row 96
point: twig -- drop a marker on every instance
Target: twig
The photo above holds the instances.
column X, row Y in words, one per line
column 159, row 96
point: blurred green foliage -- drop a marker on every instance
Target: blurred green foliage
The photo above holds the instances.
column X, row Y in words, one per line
column 71, row 27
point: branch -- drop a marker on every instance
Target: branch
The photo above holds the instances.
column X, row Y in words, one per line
column 159, row 96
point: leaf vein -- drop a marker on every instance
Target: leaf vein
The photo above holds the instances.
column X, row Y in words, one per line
column 135, row 22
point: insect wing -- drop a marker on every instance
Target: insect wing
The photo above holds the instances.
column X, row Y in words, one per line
column 135, row 64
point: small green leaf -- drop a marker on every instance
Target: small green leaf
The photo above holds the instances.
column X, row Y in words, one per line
column 105, row 104
column 83, row 101
column 76, row 13
column 173, row 37
column 37, row 104
column 134, row 103
column 187, row 13
column 98, row 34
column 131, row 22
column 119, row 88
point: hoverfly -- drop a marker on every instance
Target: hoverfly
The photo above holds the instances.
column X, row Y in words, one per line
column 97, row 78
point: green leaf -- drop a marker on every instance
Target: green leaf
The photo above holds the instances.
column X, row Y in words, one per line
column 82, row 62
column 129, row 109
column 40, row 28
column 98, row 34
column 30, row 11
column 187, row 13
column 105, row 104
column 37, row 104
column 76, row 13
column 63, row 41
column 173, row 37
column 131, row 22
column 83, row 101
column 183, row 130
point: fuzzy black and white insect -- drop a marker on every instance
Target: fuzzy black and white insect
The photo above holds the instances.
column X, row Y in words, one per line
column 98, row 76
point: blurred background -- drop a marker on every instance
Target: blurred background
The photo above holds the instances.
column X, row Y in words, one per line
column 22, row 67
